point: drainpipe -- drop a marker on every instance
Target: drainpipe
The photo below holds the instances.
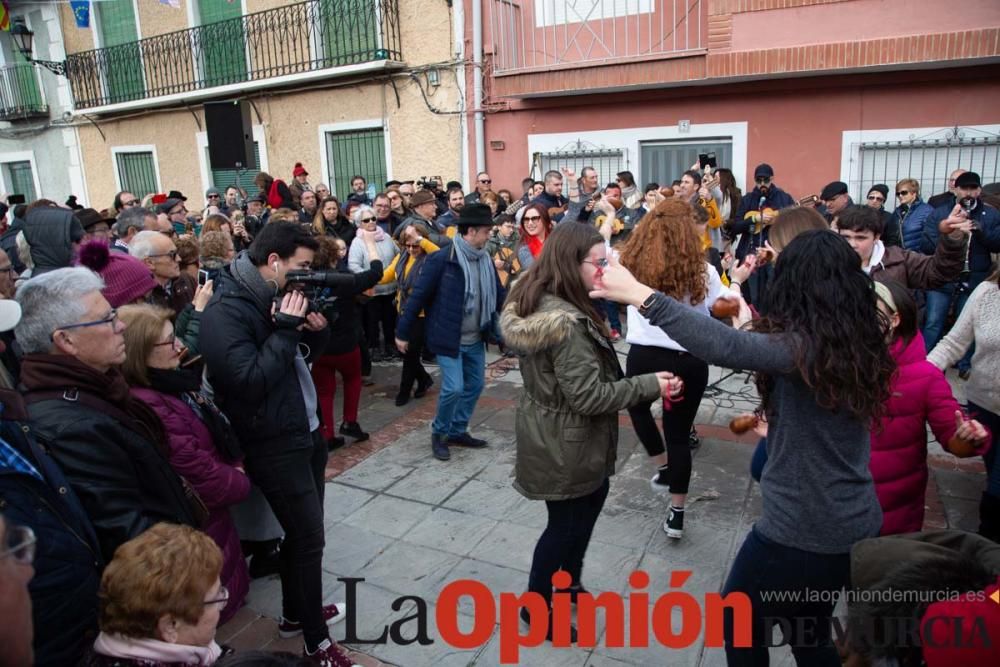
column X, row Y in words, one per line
column 477, row 83
column 458, row 10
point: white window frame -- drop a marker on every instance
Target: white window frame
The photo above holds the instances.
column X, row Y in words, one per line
column 145, row 148
column 19, row 156
column 326, row 169
column 851, row 140
column 201, row 140
column 631, row 138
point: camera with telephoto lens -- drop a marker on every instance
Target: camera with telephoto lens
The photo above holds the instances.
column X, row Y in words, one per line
column 428, row 183
column 316, row 286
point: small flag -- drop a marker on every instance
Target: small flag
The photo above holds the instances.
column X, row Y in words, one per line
column 81, row 12
column 176, row 4
column 4, row 16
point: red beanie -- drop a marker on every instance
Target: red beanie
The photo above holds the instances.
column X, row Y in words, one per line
column 125, row 277
column 299, row 170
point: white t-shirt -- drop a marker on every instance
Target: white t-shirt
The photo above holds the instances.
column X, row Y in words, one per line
column 641, row 332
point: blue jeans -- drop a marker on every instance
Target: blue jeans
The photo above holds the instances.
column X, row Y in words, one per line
column 614, row 319
column 763, row 565
column 938, row 302
column 462, row 380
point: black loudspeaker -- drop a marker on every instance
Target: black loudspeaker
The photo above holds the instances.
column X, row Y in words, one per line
column 230, row 135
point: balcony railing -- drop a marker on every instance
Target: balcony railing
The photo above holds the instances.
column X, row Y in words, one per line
column 304, row 37
column 538, row 35
column 20, row 96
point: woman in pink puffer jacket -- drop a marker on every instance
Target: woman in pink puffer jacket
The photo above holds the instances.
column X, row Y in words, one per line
column 920, row 395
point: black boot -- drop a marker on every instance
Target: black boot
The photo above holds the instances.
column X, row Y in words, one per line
column 989, row 517
column 266, row 559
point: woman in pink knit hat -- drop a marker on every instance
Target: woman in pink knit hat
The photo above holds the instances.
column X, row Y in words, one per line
column 126, row 279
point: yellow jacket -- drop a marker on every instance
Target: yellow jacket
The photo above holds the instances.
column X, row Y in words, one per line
column 389, row 275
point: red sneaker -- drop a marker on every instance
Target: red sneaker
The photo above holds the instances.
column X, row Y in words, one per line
column 332, row 613
column 329, row 654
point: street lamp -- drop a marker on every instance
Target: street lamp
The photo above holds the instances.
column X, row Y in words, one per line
column 22, row 37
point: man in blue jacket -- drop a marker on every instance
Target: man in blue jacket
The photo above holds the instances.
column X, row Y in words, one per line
column 983, row 239
column 460, row 292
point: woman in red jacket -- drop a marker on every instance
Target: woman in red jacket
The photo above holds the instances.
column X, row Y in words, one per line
column 920, row 395
column 152, row 368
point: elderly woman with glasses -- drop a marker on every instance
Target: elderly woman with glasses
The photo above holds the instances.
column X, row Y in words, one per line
column 161, row 600
column 380, row 309
column 200, row 443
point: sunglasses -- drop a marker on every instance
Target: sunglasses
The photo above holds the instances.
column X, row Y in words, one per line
column 532, row 218
column 875, row 198
column 485, row 181
column 131, row 202
column 762, row 181
column 902, row 193
column 368, row 219
column 412, row 245
column 213, row 196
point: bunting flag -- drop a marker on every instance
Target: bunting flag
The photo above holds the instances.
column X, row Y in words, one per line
column 4, row 16
column 81, row 12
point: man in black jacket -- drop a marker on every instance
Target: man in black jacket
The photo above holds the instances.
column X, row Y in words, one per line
column 255, row 332
column 110, row 447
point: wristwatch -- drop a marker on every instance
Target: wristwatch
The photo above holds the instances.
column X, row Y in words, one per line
column 647, row 304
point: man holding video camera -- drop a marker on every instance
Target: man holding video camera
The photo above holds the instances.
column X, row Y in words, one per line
column 257, row 333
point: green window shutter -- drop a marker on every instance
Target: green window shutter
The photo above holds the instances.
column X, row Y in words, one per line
column 119, row 35
column 137, row 173
column 223, row 178
column 26, row 93
column 21, row 181
column 222, row 42
column 355, row 152
column 349, row 31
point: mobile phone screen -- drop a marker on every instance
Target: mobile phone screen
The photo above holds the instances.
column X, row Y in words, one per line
column 202, row 276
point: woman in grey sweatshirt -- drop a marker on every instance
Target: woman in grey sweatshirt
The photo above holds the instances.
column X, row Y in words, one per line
column 822, row 368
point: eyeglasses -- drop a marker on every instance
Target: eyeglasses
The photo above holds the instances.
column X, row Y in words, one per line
column 412, row 245
column 172, row 342
column 172, row 254
column 874, row 198
column 110, row 318
column 213, row 196
column 9, row 270
column 182, row 211
column 762, row 180
column 485, row 181
column 902, row 193
column 368, row 219
column 531, row 218
column 222, row 600
column 131, row 202
column 599, row 263
column 172, row 233
column 20, row 545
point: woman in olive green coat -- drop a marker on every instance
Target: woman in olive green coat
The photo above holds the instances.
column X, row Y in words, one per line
column 567, row 419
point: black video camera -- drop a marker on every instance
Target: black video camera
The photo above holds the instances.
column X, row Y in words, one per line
column 428, row 183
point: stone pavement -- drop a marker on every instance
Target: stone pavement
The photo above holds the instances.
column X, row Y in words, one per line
column 409, row 524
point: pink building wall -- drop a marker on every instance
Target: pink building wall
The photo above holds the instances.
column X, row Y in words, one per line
column 796, row 125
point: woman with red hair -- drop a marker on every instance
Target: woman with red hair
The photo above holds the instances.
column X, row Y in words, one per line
column 665, row 250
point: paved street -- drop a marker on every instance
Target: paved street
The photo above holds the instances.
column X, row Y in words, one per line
column 409, row 525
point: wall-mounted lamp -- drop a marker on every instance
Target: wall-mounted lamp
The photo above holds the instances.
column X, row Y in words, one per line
column 23, row 37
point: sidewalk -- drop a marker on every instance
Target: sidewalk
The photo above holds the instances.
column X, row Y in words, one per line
column 409, row 525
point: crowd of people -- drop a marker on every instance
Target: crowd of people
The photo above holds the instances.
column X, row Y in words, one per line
column 168, row 381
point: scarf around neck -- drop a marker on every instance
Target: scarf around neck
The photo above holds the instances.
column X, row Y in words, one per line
column 247, row 275
column 484, row 280
column 155, row 651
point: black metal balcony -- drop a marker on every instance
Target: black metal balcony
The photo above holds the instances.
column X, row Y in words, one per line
column 20, row 96
column 304, row 37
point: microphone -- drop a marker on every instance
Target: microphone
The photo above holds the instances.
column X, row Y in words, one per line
column 763, row 200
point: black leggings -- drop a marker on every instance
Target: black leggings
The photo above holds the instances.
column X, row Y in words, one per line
column 563, row 543
column 413, row 370
column 677, row 421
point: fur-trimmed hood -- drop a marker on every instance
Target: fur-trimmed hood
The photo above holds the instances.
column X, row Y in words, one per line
column 547, row 327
